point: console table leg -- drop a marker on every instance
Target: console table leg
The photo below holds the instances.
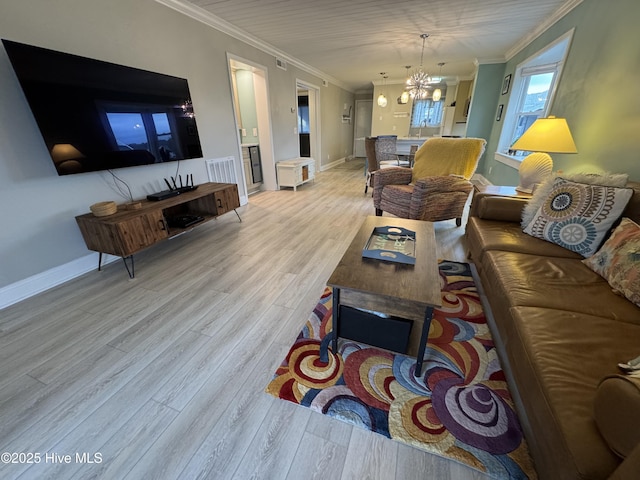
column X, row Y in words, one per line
column 237, row 215
column 100, row 261
column 428, row 315
column 130, row 271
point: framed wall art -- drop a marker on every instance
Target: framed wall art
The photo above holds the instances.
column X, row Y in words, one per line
column 506, row 84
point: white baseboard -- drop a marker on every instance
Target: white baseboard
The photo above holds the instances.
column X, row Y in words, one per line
column 23, row 289
column 335, row 163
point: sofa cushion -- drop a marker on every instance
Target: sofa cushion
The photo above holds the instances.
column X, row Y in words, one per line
column 542, row 192
column 519, row 279
column 617, row 412
column 484, row 235
column 578, row 216
column 560, row 358
column 618, row 260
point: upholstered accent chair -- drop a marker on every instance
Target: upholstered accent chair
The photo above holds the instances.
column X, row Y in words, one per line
column 386, row 146
column 373, row 164
column 437, row 187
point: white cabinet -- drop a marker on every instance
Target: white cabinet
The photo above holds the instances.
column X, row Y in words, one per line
column 292, row 173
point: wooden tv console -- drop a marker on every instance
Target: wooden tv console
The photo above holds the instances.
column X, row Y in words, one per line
column 127, row 231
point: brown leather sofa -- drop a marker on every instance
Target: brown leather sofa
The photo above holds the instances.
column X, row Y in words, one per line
column 560, row 332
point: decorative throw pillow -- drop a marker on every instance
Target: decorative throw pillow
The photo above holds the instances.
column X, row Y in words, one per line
column 618, row 261
column 578, row 216
column 542, row 192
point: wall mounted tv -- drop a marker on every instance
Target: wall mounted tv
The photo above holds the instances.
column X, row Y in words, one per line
column 95, row 115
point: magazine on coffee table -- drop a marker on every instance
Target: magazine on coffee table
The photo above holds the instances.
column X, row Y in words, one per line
column 392, row 244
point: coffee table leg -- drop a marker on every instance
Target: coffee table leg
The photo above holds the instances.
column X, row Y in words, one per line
column 336, row 318
column 332, row 336
column 428, row 315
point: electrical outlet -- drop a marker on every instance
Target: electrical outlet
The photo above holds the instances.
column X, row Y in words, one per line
column 255, row 132
column 244, row 132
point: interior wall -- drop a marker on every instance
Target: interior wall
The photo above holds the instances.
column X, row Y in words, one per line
column 482, row 111
column 597, row 93
column 38, row 207
column 395, row 118
column 247, row 104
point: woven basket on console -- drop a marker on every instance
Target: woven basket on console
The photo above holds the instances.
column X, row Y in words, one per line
column 102, row 209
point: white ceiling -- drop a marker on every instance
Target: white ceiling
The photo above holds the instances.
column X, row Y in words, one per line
column 352, row 41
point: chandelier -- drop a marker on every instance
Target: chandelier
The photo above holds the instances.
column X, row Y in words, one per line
column 418, row 82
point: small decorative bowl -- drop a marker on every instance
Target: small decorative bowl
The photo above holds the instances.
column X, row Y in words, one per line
column 102, row 209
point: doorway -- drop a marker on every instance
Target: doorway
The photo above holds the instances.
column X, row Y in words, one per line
column 308, row 128
column 251, row 110
column 362, row 126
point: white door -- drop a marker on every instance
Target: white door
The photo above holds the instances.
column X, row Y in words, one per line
column 362, row 127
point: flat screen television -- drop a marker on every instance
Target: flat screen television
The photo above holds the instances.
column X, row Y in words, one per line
column 96, row 115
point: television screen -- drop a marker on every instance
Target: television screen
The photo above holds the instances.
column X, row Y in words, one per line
column 95, row 115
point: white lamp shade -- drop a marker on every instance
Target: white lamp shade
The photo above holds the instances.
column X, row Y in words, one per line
column 382, row 100
column 437, row 94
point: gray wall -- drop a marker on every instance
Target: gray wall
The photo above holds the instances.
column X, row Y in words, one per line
column 37, row 208
column 597, row 93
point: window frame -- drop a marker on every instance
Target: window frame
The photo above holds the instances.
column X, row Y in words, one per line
column 416, row 102
column 535, row 64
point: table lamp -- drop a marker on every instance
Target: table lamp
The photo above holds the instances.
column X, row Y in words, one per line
column 546, row 135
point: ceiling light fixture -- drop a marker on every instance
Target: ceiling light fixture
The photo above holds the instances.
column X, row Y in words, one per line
column 382, row 100
column 403, row 99
column 418, row 82
column 437, row 93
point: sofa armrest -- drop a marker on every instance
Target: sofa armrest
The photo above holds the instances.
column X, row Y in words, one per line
column 617, row 413
column 628, row 470
column 491, row 207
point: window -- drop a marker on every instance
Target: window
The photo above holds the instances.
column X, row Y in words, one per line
column 137, row 127
column 534, row 85
column 534, row 101
column 426, row 113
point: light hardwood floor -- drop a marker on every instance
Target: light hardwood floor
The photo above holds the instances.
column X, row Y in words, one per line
column 163, row 376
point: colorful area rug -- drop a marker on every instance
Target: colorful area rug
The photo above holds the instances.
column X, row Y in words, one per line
column 460, row 408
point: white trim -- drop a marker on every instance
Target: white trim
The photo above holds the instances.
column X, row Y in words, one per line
column 481, row 179
column 38, row 283
column 508, row 160
column 333, row 164
column 540, row 29
column 208, row 18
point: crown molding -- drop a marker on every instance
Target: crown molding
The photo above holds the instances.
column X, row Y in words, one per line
column 201, row 15
column 489, row 61
column 540, row 29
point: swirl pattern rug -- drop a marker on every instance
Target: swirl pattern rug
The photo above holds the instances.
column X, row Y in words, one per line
column 460, row 408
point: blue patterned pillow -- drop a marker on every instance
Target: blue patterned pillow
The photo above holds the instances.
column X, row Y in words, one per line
column 578, row 216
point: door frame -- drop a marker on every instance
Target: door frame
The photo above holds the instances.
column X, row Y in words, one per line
column 315, row 140
column 265, row 133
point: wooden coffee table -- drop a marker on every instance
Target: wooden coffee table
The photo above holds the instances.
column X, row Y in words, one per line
column 405, row 291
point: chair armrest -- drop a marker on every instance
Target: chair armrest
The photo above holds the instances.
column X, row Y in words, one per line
column 392, row 176
column 450, row 183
